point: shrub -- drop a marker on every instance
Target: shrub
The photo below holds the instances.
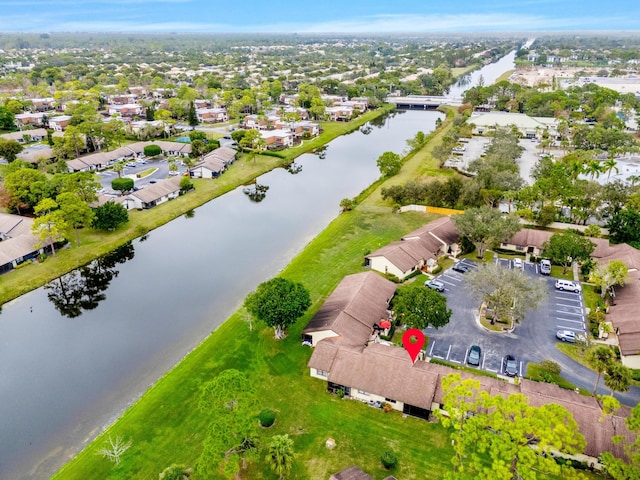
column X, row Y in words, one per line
column 389, row 460
column 550, row 366
column 340, row 393
column 387, row 407
column 267, row 417
column 152, row 150
column 122, row 184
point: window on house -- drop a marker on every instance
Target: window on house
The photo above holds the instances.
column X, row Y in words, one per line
column 362, row 392
column 389, row 400
column 322, row 373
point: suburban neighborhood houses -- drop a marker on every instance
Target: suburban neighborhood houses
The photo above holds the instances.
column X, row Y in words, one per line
column 511, row 161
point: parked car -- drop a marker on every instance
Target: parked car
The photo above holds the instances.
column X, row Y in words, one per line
column 545, row 267
column 517, row 263
column 434, row 285
column 510, row 366
column 475, row 353
column 566, row 336
column 568, row 285
column 460, row 267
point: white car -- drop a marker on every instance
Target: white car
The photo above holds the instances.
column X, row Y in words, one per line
column 568, row 286
column 517, row 263
column 566, row 336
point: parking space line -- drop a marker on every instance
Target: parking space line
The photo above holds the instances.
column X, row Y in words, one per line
column 449, row 352
column 520, row 371
column 570, row 313
column 431, row 349
column 564, row 327
column 454, row 361
column 572, row 321
column 444, row 281
column 483, row 359
column 567, row 305
column 491, row 370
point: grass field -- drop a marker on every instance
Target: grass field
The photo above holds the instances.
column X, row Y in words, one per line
column 166, row 425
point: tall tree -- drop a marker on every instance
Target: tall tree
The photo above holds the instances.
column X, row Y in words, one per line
column 618, row 468
column 494, row 439
column 617, row 378
column 279, row 303
column 389, row 164
column 600, row 360
column 606, row 276
column 280, row 455
column 49, row 225
column 75, row 211
column 231, row 402
column 568, row 247
column 192, row 117
column 109, row 216
column 420, row 307
column 9, row 149
column 510, row 292
column 486, row 227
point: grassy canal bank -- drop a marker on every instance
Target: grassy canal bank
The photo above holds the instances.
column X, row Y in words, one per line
column 166, row 426
column 95, row 243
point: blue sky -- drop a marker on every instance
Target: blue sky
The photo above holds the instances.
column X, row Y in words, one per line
column 354, row 16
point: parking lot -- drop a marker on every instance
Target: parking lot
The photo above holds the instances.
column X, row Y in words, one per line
column 474, row 147
column 134, row 167
column 533, row 340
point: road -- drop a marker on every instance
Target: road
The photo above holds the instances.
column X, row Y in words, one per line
column 131, row 171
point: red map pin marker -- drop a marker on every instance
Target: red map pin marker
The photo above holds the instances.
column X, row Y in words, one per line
column 413, row 348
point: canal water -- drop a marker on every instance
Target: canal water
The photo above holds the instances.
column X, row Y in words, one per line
column 75, row 353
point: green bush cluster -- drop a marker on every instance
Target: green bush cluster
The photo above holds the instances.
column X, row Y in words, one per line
column 267, row 417
column 389, row 460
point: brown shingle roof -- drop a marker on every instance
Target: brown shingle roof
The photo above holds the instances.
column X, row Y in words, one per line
column 351, row 473
column 404, row 254
column 358, row 302
column 157, row 190
column 386, row 371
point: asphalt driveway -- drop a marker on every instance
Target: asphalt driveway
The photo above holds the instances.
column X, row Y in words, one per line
column 533, row 340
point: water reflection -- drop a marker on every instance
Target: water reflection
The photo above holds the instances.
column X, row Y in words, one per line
column 293, row 168
column 321, row 152
column 83, row 289
column 255, row 191
column 189, row 214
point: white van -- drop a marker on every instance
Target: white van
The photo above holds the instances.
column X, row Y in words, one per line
column 568, row 285
column 545, row 267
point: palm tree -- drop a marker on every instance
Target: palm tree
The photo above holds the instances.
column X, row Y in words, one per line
column 618, row 378
column 600, row 360
column 593, row 169
column 280, row 454
column 610, row 165
column 633, row 179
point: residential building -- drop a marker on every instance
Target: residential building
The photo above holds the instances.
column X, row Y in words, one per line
column 126, row 110
column 153, row 194
column 26, row 136
column 37, row 119
column 17, row 243
column 277, row 138
column 529, row 127
column 416, row 250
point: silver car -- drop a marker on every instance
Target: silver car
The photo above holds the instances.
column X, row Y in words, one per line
column 434, row 285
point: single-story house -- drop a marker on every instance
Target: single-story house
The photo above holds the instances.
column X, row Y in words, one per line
column 226, row 154
column 42, row 104
column 32, row 155
column 358, row 303
column 529, row 127
column 416, row 250
column 154, row 194
column 123, row 98
column 209, row 167
column 17, row 243
column 59, row 123
column 35, row 135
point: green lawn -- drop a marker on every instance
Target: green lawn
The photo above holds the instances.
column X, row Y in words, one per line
column 166, row 425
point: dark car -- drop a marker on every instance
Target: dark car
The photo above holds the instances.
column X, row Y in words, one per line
column 510, row 366
column 460, row 267
column 475, row 353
